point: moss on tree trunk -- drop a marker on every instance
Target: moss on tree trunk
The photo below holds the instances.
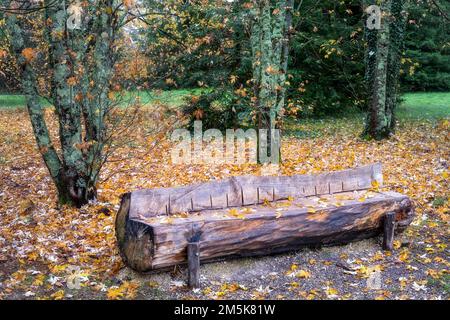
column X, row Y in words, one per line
column 382, row 69
column 81, row 61
column 270, row 47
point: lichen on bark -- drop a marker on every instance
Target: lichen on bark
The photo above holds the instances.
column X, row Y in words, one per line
column 81, row 63
column 269, row 43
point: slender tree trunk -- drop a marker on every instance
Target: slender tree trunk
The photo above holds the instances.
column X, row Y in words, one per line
column 269, row 42
column 285, row 57
column 382, row 69
column 377, row 125
column 396, row 41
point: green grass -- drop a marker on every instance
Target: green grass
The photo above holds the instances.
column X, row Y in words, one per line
column 11, row 101
column 174, row 98
column 425, row 105
column 420, row 106
column 170, row 97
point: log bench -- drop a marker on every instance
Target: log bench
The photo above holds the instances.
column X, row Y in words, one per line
column 250, row 215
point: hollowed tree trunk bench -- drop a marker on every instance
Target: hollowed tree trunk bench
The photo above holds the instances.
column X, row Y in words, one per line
column 249, row 215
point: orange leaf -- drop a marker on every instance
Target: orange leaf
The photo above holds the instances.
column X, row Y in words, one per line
column 29, row 54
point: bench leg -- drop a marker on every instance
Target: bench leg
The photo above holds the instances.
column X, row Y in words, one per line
column 193, row 255
column 389, row 228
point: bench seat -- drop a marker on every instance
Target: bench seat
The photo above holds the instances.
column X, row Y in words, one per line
column 247, row 216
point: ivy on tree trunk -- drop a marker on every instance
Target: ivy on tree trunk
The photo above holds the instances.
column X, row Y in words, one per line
column 384, row 48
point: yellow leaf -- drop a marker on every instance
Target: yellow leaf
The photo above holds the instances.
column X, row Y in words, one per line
column 397, row 244
column 39, row 281
column 111, row 96
column 184, row 215
column 130, row 287
column 331, row 291
column 375, row 185
column 58, row 268
column 432, row 273
column 248, row 210
column 404, row 256
column 168, row 220
column 235, row 213
column 271, row 70
column 303, row 274
column 72, row 81
column 115, row 293
column 58, row 295
column 233, row 79
column 363, row 271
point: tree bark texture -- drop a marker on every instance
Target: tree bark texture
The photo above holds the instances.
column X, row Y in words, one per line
column 81, row 62
column 383, row 68
column 270, row 50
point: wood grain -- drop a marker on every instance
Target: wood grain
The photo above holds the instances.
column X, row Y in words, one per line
column 249, row 190
column 153, row 241
column 193, row 257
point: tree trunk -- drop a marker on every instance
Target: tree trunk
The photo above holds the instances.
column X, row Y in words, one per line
column 81, row 63
column 382, row 69
column 396, row 41
column 269, row 42
column 377, row 125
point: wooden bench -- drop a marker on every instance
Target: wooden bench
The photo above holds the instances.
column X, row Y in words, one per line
column 249, row 215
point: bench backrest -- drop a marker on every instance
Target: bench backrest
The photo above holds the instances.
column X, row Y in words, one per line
column 249, row 190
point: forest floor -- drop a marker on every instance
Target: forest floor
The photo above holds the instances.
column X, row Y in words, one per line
column 46, row 250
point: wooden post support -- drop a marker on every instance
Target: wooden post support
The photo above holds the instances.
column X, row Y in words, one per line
column 389, row 228
column 193, row 254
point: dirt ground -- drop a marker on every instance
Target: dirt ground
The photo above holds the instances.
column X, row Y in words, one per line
column 354, row 271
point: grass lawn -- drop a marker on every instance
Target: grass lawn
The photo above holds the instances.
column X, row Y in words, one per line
column 428, row 105
column 11, row 101
column 415, row 106
column 169, row 97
